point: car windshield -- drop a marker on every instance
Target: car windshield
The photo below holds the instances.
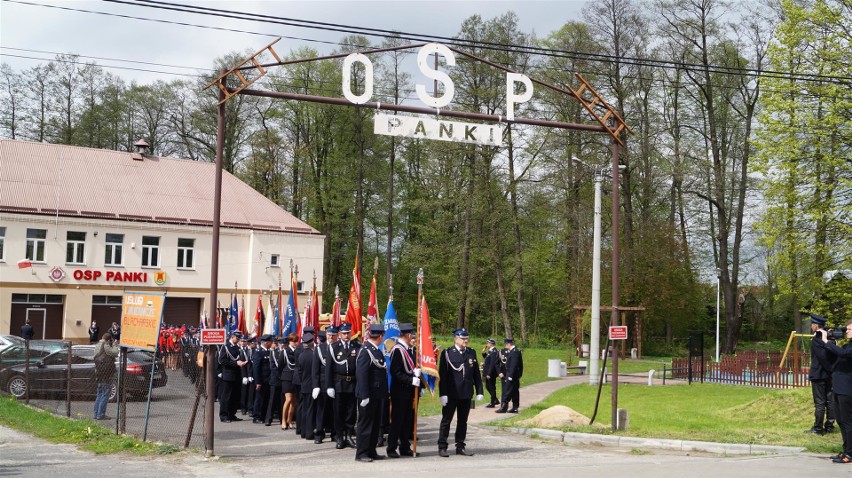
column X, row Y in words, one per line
column 14, row 340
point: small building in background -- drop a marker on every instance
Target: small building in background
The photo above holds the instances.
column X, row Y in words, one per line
column 79, row 226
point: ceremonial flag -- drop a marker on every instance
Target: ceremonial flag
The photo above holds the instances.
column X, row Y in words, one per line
column 353, row 309
column 269, row 326
column 233, row 321
column 258, row 317
column 276, row 316
column 291, row 315
column 202, row 322
column 426, row 351
column 373, row 305
column 335, row 312
column 242, row 318
column 313, row 318
column 391, row 334
column 218, row 315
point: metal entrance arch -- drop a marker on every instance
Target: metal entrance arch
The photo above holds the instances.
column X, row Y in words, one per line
column 609, row 121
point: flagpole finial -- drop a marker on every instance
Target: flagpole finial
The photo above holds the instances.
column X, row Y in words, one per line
column 420, row 276
column 376, row 265
column 336, row 291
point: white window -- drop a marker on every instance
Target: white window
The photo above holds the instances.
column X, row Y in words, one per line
column 150, row 251
column 75, row 250
column 114, row 248
column 185, row 254
column 274, row 260
column 2, row 243
column 35, row 244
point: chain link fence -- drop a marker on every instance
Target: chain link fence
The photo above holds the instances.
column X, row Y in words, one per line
column 158, row 400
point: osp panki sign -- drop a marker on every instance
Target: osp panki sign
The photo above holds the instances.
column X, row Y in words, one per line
column 428, row 128
column 441, row 130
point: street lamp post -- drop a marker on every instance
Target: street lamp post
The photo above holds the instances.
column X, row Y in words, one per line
column 595, row 332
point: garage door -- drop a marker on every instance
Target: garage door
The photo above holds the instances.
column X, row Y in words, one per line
column 179, row 311
column 45, row 312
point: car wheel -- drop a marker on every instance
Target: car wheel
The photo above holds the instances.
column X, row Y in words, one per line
column 113, row 392
column 17, row 386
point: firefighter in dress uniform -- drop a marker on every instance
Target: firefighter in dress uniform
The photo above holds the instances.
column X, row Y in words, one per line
column 261, row 373
column 230, row 361
column 459, row 375
column 340, row 376
column 490, row 358
column 371, row 391
column 319, row 384
column 404, row 381
column 511, row 369
column 304, row 367
column 247, row 387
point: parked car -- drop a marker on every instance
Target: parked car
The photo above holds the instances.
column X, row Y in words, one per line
column 39, row 349
column 50, row 374
column 7, row 341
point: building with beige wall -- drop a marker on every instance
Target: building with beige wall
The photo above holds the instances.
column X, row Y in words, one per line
column 94, row 223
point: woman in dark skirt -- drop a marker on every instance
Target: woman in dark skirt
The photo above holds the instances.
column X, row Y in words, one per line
column 287, row 370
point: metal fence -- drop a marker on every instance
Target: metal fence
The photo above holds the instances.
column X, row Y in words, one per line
column 755, row 369
column 158, row 400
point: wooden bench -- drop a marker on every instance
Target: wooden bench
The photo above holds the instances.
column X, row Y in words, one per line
column 581, row 370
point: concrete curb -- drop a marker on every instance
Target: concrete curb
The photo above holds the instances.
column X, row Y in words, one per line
column 572, row 438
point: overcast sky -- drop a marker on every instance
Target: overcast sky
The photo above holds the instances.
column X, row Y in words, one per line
column 38, row 25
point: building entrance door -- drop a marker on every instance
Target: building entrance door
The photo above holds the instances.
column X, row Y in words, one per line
column 38, row 319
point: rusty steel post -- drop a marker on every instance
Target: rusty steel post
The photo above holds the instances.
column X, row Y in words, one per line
column 616, row 344
column 210, row 375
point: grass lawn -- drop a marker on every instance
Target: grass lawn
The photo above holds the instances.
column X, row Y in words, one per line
column 84, row 433
column 704, row 412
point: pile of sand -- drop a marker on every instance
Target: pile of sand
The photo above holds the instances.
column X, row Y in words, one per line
column 557, row 417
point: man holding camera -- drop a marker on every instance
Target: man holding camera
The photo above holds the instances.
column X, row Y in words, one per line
column 820, row 377
column 841, row 382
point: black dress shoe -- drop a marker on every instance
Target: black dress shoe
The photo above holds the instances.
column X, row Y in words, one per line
column 364, row 459
column 317, row 440
column 236, row 419
column 409, row 453
column 443, row 453
column 490, row 405
column 256, row 421
column 460, row 451
column 340, row 445
column 377, row 457
column 226, row 420
column 267, row 424
column 393, row 454
column 514, row 410
column 502, row 410
column 815, row 431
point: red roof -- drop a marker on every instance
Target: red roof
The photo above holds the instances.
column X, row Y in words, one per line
column 40, row 178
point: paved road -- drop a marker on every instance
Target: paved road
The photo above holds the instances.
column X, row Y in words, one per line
column 245, row 449
column 496, row 453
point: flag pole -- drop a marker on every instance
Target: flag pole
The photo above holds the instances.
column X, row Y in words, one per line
column 417, row 358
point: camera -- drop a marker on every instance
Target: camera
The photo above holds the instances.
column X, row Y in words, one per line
column 837, row 333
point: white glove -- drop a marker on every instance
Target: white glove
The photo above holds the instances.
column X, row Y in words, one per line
column 245, row 380
column 251, row 379
column 417, row 372
column 444, row 400
column 510, row 379
column 479, row 398
column 219, row 375
column 364, row 402
column 415, row 381
column 315, row 393
column 330, row 392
